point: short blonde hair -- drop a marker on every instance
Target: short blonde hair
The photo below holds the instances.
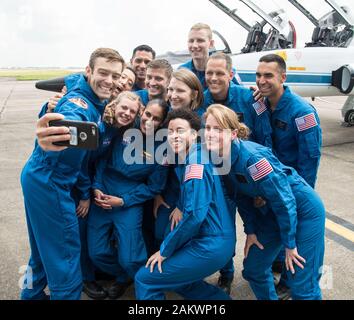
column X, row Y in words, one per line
column 110, row 110
column 227, row 119
column 203, row 26
column 162, row 64
column 222, row 56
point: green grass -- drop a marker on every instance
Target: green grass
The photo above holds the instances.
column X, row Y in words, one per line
column 34, row 74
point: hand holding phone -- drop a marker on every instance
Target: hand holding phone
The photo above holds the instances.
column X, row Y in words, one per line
column 83, row 134
column 47, row 135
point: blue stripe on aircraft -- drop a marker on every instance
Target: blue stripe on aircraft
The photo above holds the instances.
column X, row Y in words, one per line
column 299, row 79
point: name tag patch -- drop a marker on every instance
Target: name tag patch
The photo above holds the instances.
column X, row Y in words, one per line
column 281, row 124
column 240, row 178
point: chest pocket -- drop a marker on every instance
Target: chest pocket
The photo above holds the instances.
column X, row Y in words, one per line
column 241, row 178
column 280, row 124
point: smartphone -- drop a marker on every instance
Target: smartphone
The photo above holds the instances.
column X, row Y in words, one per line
column 83, row 134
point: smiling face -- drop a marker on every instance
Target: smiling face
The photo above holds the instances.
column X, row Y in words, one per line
column 156, row 82
column 270, row 79
column 151, row 119
column 217, row 138
column 180, row 135
column 104, row 77
column 139, row 63
column 125, row 83
column 126, row 111
column 199, row 43
column 179, row 94
column 218, row 78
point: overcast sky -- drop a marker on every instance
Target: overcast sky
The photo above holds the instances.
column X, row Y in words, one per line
column 63, row 33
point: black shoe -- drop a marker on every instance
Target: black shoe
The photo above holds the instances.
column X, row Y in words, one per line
column 94, row 290
column 102, row 276
column 224, row 283
column 117, row 289
column 283, row 292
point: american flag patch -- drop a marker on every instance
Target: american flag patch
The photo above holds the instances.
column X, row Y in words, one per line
column 260, row 107
column 194, row 171
column 260, row 169
column 306, row 122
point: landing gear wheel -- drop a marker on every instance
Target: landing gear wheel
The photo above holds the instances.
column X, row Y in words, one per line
column 349, row 117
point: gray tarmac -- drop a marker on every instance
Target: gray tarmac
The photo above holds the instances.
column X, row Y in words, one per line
column 20, row 103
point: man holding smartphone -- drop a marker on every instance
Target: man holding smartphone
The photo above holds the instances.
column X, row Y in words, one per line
column 48, row 178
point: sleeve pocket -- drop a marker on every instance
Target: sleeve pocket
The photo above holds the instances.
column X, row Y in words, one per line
column 312, row 144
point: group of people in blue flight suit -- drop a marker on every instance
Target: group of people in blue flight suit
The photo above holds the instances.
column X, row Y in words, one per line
column 48, row 180
column 123, row 188
column 108, row 129
column 297, row 135
column 292, row 215
column 204, row 240
column 272, row 148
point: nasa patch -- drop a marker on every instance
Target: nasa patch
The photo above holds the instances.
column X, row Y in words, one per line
column 127, row 140
column 79, row 102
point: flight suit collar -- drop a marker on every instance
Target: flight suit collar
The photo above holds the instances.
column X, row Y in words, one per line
column 71, row 81
column 284, row 99
column 232, row 93
column 230, row 96
column 235, row 152
column 192, row 153
column 190, row 64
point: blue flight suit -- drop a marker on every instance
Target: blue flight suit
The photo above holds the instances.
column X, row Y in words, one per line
column 250, row 112
column 297, row 139
column 170, row 195
column 200, row 244
column 48, row 179
column 71, row 81
column 201, row 74
column 293, row 216
column 254, row 115
column 136, row 88
column 135, row 184
column 82, row 191
column 229, row 188
column 144, row 96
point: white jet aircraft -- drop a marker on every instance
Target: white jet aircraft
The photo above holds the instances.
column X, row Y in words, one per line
column 324, row 67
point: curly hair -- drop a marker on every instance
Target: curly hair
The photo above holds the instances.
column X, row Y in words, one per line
column 110, row 110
